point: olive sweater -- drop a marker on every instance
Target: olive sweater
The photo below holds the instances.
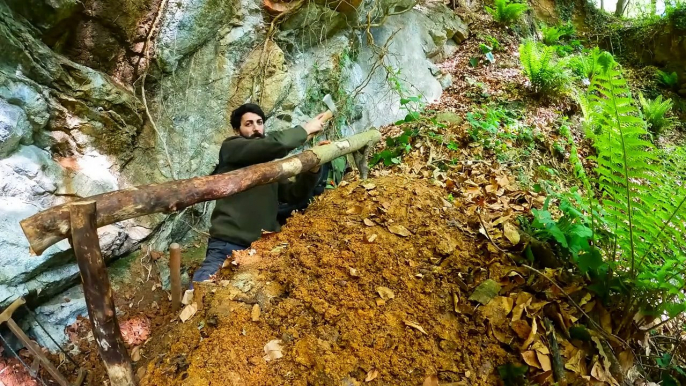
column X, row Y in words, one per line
column 240, row 219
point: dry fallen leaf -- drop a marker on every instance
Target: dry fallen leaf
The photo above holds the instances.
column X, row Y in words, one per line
column 385, row 293
column 136, row 354
column 531, row 359
column 523, row 300
column 399, row 230
column 605, row 318
column 371, row 238
column 273, row 350
column 415, row 325
column 544, row 360
column 531, row 337
column 576, row 363
column 511, row 233
column 497, row 309
column 369, row 186
column 368, row 222
column 188, row 312
column 485, row 291
column 357, row 209
column 431, row 380
column 371, row 375
column 255, row 314
column 521, row 328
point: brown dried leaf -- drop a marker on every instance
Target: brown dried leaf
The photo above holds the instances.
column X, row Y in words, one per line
column 544, row 360
column 531, row 359
column 605, row 318
column 255, row 313
column 273, row 350
column 135, row 354
column 511, row 233
column 371, row 238
column 497, row 310
column 371, row 375
column 626, row 360
column 368, row 222
column 356, row 209
column 399, row 230
column 431, row 380
column 415, row 325
column 576, row 363
column 541, row 348
column 369, row 186
column 521, row 328
column 523, row 300
column 531, row 337
column 188, row 312
column 385, row 293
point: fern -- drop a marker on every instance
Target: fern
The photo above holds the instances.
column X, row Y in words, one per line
column 637, row 190
column 655, row 113
column 506, row 12
column 551, row 35
column 667, row 79
column 547, row 75
column 585, row 65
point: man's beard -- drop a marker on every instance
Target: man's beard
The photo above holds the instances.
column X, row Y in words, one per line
column 256, row 135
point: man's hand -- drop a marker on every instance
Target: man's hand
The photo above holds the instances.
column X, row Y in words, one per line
column 315, row 125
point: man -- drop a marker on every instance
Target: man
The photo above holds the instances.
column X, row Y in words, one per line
column 238, row 220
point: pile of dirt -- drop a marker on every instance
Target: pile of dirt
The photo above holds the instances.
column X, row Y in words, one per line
column 370, row 285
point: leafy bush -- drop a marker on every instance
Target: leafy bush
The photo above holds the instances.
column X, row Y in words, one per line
column 667, row 79
column 547, row 75
column 505, row 12
column 396, row 147
column 493, row 42
column 655, row 113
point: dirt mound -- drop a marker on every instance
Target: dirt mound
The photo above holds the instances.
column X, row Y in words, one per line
column 371, row 284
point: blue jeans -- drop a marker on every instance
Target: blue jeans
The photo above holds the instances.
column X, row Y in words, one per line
column 217, row 252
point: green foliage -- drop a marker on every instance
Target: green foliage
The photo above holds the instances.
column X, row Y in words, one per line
column 585, row 65
column 553, row 34
column 547, row 75
column 667, row 79
column 496, row 129
column 637, row 216
column 513, row 375
column 396, row 147
column 655, row 113
column 493, row 42
column 505, row 12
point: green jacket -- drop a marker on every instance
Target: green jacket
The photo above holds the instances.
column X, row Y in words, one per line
column 240, row 219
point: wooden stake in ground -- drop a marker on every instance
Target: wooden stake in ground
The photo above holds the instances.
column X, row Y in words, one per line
column 52, row 225
column 175, row 273
column 98, row 293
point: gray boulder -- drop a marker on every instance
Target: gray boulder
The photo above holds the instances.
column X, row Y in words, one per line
column 14, row 128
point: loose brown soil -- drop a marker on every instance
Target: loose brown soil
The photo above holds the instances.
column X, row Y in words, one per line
column 370, row 283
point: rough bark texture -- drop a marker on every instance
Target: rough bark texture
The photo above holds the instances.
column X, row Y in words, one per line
column 98, row 294
column 52, row 225
column 175, row 273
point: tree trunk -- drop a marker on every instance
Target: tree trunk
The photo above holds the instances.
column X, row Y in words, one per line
column 52, row 225
column 621, row 6
column 98, row 294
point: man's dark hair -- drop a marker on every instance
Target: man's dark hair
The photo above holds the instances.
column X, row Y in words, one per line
column 237, row 114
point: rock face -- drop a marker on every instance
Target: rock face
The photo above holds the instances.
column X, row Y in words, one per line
column 71, row 124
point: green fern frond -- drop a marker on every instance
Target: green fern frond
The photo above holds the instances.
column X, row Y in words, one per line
column 546, row 75
column 637, row 191
column 506, row 12
column 667, row 79
column 655, row 112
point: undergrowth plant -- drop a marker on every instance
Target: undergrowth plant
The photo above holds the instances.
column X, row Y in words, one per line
column 627, row 231
column 669, row 80
column 585, row 65
column 506, row 12
column 548, row 76
column 655, row 111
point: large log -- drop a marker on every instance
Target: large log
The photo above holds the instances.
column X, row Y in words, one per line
column 52, row 225
column 98, row 294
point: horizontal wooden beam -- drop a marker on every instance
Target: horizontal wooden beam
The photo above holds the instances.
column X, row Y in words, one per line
column 53, row 225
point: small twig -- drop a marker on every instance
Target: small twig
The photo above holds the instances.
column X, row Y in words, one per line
column 488, row 236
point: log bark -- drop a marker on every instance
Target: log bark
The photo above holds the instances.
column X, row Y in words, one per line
column 53, row 225
column 175, row 273
column 98, row 294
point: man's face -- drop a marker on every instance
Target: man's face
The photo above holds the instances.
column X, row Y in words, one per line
column 252, row 126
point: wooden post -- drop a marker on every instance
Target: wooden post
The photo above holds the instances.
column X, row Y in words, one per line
column 175, row 272
column 98, row 294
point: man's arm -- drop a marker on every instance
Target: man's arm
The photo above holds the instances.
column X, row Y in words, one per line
column 243, row 151
column 295, row 192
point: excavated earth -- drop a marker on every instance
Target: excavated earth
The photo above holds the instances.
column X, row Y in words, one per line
column 370, row 285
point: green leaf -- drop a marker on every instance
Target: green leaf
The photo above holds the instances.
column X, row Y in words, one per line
column 667, row 380
column 590, row 261
column 474, row 61
column 580, row 333
column 512, row 374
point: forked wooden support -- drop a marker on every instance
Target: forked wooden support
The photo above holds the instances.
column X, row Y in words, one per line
column 98, row 294
column 39, row 357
